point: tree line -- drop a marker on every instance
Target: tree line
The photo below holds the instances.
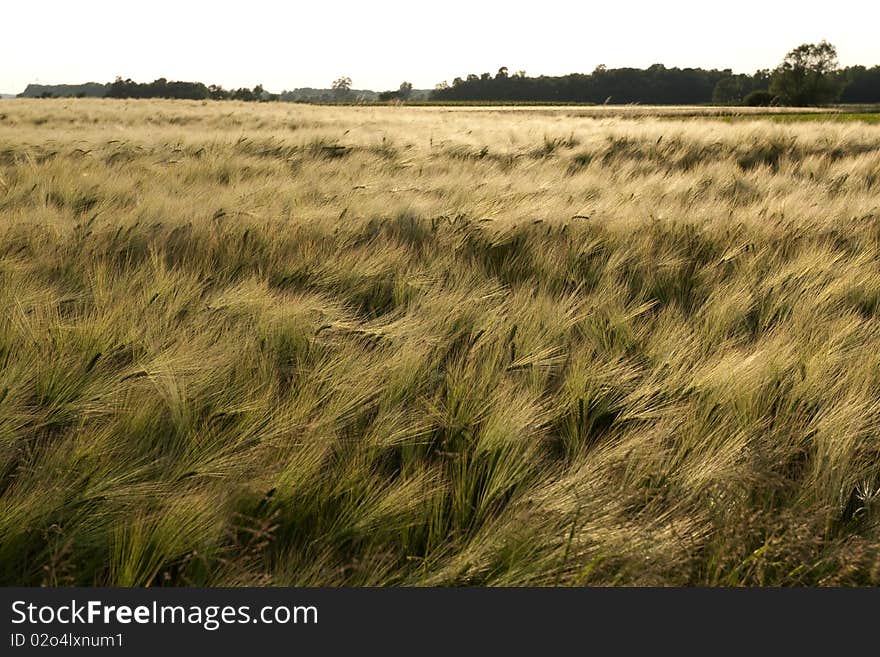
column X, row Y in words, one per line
column 809, row 75
column 162, row 88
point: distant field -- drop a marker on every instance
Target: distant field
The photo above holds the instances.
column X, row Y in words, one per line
column 631, row 111
column 834, row 117
column 840, row 113
column 277, row 344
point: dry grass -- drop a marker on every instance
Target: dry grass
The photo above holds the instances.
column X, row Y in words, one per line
column 295, row 345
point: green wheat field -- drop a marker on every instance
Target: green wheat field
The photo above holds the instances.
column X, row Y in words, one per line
column 274, row 344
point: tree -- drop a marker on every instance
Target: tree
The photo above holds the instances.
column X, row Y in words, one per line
column 761, row 79
column 405, row 90
column 243, row 93
column 342, row 89
column 217, row 92
column 807, row 75
column 736, row 88
column 731, row 89
column 759, row 98
column 862, row 85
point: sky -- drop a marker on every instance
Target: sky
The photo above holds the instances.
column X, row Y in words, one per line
column 379, row 43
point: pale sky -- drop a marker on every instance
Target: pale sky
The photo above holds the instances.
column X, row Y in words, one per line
column 379, row 43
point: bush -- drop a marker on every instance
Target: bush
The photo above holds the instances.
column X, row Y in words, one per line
column 759, row 98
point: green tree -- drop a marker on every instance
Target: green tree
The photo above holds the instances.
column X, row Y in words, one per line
column 217, row 92
column 244, row 94
column 759, row 98
column 405, row 90
column 862, row 85
column 342, row 89
column 807, row 75
column 731, row 89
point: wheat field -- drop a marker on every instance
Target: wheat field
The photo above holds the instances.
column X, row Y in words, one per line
column 295, row 345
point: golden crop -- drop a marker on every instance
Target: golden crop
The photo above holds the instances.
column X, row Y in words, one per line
column 297, row 345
